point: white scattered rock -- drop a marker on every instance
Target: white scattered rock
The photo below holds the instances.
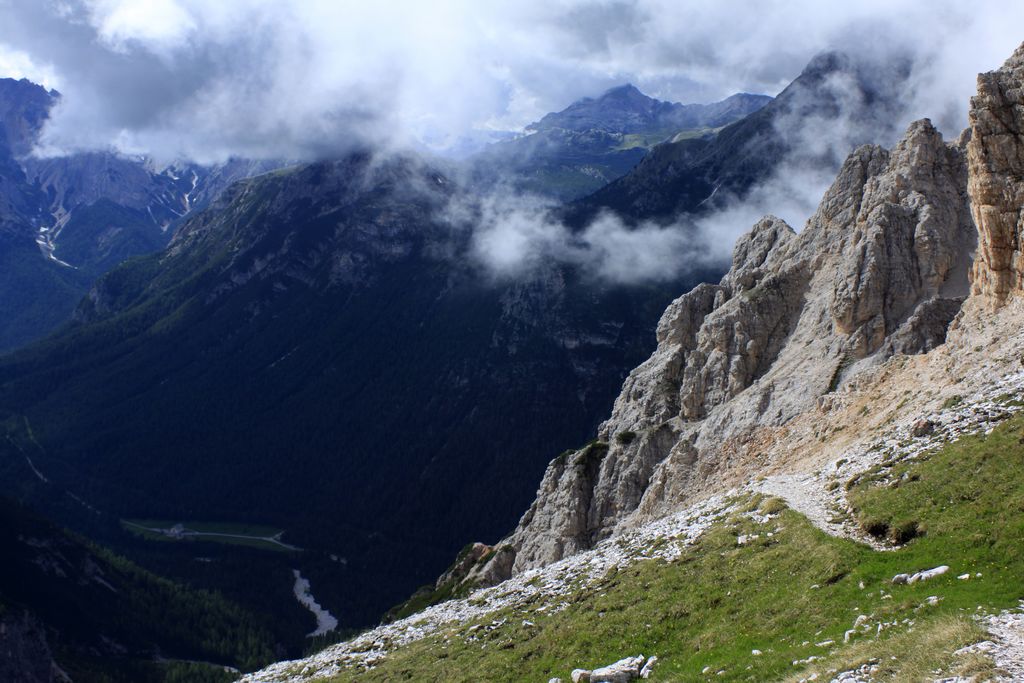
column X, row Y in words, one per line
column 756, row 653
column 648, row 667
column 1006, row 647
column 862, row 674
column 964, row 577
column 580, row 676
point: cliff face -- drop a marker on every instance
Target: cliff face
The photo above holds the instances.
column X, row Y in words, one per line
column 996, row 156
column 881, row 268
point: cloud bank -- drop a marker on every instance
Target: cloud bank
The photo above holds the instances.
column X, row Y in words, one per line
column 513, row 235
column 303, row 79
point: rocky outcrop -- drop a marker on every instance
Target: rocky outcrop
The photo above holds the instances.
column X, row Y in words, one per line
column 880, row 269
column 995, row 153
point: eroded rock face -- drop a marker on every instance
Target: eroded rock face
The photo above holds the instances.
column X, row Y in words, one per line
column 996, row 157
column 881, row 268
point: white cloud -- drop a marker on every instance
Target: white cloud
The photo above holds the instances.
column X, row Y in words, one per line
column 302, row 78
column 517, row 234
column 18, row 64
column 160, row 25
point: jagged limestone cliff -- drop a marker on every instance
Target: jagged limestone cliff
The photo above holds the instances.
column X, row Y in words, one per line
column 882, row 268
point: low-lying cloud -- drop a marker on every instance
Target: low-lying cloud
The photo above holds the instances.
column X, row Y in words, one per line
column 513, row 235
column 815, row 129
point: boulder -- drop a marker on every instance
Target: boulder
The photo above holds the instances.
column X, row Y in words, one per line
column 922, row 427
column 622, row 671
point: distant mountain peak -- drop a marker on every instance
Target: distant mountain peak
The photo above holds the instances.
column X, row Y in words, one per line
column 826, row 62
column 617, row 109
column 624, row 109
column 24, row 107
column 627, row 90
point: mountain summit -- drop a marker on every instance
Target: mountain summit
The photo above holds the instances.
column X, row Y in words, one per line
column 625, row 109
column 570, row 153
column 836, row 103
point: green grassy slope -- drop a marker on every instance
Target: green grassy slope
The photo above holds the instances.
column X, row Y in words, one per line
column 783, row 595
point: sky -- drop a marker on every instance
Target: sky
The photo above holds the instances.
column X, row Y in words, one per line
column 302, row 79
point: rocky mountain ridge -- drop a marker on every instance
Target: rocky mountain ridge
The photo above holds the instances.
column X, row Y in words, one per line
column 573, row 152
column 995, row 153
column 880, row 270
column 625, row 109
column 837, row 102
